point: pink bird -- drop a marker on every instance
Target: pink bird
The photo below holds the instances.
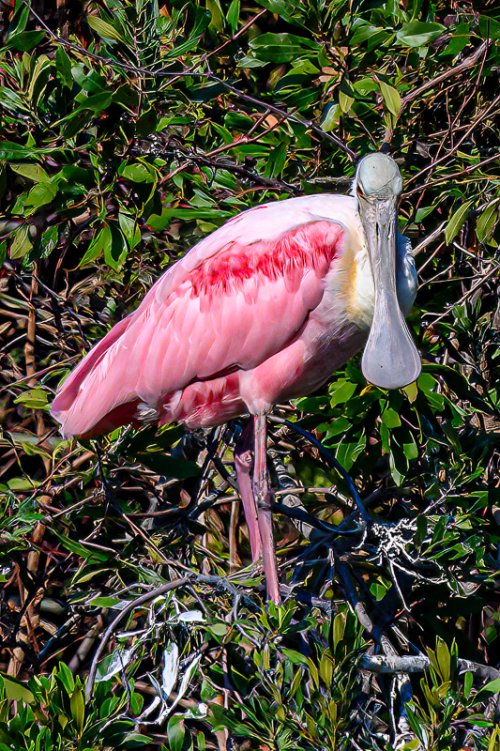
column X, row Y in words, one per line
column 263, row 310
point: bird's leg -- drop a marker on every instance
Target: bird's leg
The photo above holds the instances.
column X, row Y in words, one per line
column 263, row 500
column 243, row 461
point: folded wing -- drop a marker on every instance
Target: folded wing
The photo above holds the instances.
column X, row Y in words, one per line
column 226, row 306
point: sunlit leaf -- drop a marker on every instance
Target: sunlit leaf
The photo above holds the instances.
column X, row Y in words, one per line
column 104, row 29
column 456, row 221
column 418, row 33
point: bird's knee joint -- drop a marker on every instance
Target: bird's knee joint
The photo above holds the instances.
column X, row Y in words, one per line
column 263, row 502
column 244, row 460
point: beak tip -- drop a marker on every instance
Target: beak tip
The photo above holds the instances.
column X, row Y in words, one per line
column 390, row 378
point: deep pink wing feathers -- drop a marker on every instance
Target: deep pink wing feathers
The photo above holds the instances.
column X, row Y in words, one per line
column 236, row 299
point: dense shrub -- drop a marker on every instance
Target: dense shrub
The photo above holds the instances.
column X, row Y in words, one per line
column 129, row 130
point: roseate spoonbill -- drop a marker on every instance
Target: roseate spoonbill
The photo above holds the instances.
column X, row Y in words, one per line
column 262, row 310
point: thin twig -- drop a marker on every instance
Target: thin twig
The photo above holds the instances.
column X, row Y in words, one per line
column 288, row 115
column 328, row 456
column 469, row 62
column 128, row 608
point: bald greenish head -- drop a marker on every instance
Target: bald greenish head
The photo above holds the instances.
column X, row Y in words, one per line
column 378, row 176
column 390, row 358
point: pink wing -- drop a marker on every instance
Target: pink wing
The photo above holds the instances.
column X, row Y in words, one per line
column 228, row 305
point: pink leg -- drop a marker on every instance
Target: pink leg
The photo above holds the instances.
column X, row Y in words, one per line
column 263, row 500
column 243, row 460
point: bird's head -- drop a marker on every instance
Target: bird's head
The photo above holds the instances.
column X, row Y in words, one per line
column 390, row 359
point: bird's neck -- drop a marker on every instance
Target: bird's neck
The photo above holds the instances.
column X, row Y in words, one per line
column 362, row 296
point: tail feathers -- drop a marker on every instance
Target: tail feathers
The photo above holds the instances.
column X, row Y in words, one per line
column 85, row 405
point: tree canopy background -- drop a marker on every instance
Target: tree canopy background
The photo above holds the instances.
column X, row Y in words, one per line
column 129, row 130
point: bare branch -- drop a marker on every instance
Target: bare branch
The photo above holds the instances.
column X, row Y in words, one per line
column 390, row 664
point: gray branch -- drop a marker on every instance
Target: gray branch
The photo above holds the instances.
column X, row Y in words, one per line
column 420, row 664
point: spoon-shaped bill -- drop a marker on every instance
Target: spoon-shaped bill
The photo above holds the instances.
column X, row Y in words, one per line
column 390, row 359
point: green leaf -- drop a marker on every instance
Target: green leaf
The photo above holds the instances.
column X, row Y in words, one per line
column 35, row 398
column 443, row 659
column 331, row 117
column 77, row 122
column 139, row 173
column 12, row 101
column 341, row 391
column 217, row 16
column 375, row 38
column 411, row 392
column 233, row 15
column 77, row 706
column 487, row 222
column 390, row 418
column 104, row 29
column 338, row 631
column 282, row 48
column 338, row 426
column 296, row 658
column 348, row 451
column 493, row 687
column 115, row 252
column 424, row 212
column 19, row 19
column 96, row 103
column 169, row 466
column 97, row 246
column 147, row 122
column 136, row 703
column 391, row 97
column 63, row 66
column 175, row 733
column 410, row 448
column 48, row 241
column 379, row 589
column 31, row 171
column 16, row 690
column 75, row 547
column 419, row 33
column 489, row 26
column 138, row 739
column 413, row 745
column 129, row 227
column 397, row 464
column 460, row 39
column 468, row 683
column 66, row 677
column 218, row 629
column 345, row 101
column 21, row 244
column 24, row 41
column 104, row 602
column 10, row 150
column 456, row 221
column 77, row 175
column 41, row 194
column 23, row 484
column 277, row 160
column 39, row 79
